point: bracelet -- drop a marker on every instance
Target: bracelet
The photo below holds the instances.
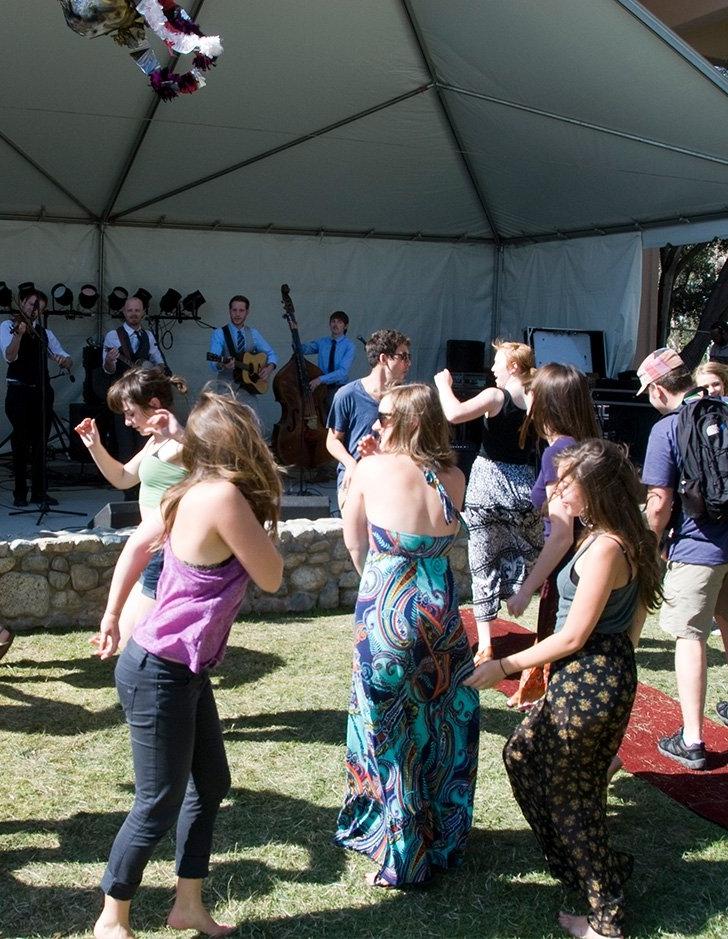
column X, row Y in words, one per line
column 505, row 673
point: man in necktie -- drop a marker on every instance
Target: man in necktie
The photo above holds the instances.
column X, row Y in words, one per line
column 123, row 347
column 335, row 355
column 231, row 343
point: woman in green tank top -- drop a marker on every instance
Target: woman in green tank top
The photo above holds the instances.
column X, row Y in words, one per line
column 145, row 397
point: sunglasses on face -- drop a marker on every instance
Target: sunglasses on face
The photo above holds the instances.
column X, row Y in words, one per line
column 383, row 418
column 403, row 356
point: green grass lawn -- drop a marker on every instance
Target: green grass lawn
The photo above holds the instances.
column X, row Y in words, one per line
column 282, row 693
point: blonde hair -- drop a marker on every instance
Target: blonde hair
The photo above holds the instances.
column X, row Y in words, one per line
column 518, row 354
column 716, row 369
column 223, row 441
column 418, row 427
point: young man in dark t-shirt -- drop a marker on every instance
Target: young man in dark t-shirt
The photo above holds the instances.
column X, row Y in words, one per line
column 355, row 405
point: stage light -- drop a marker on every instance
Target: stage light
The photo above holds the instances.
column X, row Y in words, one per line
column 61, row 295
column 192, row 302
column 169, row 302
column 25, row 289
column 117, row 299
column 88, row 297
column 144, row 296
column 6, row 295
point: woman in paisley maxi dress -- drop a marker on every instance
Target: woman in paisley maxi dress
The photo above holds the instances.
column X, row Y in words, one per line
column 412, row 737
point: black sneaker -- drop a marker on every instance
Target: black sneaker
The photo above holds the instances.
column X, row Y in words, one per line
column 721, row 709
column 693, row 757
column 20, row 502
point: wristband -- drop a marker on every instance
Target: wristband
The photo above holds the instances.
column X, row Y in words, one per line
column 505, row 673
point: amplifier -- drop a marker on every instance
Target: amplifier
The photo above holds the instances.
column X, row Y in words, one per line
column 625, row 419
column 468, row 384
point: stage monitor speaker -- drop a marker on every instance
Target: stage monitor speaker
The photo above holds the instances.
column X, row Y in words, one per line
column 626, row 421
column 465, row 355
column 312, row 507
column 117, row 515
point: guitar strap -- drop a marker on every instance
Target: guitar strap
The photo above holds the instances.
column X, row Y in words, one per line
column 231, row 345
column 125, row 347
column 142, row 353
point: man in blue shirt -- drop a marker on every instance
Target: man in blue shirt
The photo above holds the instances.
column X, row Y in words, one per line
column 696, row 580
column 335, row 356
column 232, row 341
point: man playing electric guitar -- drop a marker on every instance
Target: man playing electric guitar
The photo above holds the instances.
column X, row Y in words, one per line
column 240, row 353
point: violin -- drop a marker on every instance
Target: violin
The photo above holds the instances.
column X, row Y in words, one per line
column 20, row 318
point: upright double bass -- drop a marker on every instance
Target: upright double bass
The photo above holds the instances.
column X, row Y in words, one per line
column 299, row 437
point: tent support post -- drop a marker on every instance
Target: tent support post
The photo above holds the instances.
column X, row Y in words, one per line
column 495, row 320
column 101, row 274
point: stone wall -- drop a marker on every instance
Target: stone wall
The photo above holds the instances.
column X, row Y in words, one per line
column 63, row 580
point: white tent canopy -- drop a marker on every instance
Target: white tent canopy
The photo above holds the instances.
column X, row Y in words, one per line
column 463, row 134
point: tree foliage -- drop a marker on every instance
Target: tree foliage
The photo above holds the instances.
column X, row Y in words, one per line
column 692, row 295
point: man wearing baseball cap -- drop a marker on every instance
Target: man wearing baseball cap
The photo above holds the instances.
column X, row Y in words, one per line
column 696, row 579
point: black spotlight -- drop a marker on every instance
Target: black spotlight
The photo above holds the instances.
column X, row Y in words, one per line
column 88, row 297
column 117, row 299
column 144, row 296
column 169, row 302
column 6, row 295
column 25, row 289
column 61, row 295
column 192, row 302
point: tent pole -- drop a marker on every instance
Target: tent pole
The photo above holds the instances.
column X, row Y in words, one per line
column 495, row 323
column 101, row 273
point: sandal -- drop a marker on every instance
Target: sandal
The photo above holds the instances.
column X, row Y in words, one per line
column 5, row 644
column 376, row 880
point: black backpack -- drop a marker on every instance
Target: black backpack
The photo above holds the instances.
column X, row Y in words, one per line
column 702, row 439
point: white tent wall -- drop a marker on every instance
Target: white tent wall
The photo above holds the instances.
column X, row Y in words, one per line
column 430, row 291
column 48, row 254
column 587, row 283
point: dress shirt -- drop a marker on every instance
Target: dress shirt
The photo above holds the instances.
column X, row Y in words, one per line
column 6, row 337
column 111, row 341
column 343, row 358
column 218, row 346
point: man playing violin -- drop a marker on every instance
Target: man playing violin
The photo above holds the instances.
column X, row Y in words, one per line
column 26, row 346
column 125, row 347
column 231, row 343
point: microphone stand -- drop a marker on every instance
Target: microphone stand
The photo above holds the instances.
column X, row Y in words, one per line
column 44, row 508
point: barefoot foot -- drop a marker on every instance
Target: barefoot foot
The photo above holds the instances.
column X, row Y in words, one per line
column 374, row 880
column 108, row 929
column 197, row 918
column 578, row 926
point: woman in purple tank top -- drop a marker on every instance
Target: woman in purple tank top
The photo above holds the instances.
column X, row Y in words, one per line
column 219, row 526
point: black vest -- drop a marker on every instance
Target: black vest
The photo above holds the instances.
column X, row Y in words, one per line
column 142, row 353
column 32, row 362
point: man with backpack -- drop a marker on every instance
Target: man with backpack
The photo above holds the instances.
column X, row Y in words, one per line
column 687, row 506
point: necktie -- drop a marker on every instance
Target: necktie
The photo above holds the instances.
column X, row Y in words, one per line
column 136, row 340
column 332, row 354
column 241, row 341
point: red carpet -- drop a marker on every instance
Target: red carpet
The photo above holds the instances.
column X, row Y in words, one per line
column 654, row 715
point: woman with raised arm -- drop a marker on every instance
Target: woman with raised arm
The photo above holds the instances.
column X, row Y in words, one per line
column 561, row 413
column 412, row 736
column 216, row 542
column 145, row 397
column 506, row 532
column 558, row 758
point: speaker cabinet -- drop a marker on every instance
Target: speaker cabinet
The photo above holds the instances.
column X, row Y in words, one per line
column 465, row 355
column 116, row 515
column 626, row 421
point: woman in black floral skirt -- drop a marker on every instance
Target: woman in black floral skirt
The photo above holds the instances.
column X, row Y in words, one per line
column 557, row 759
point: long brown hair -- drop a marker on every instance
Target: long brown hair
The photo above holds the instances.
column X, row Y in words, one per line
column 560, row 404
column 142, row 383
column 223, row 441
column 418, row 426
column 613, row 493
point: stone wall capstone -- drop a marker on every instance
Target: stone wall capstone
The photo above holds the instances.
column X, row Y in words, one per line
column 63, row 580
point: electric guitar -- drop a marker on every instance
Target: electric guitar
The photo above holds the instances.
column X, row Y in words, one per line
column 247, row 370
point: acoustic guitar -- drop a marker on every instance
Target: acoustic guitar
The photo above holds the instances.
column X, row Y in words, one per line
column 246, row 372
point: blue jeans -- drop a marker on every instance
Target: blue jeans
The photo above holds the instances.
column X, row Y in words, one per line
column 180, row 768
column 151, row 573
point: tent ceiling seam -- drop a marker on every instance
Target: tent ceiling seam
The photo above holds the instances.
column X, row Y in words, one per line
column 459, row 148
column 46, row 175
column 289, row 145
column 142, row 133
column 576, row 122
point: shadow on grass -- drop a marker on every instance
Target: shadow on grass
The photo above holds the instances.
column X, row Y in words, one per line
column 319, row 726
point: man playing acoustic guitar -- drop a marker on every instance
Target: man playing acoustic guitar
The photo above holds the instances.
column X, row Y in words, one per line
column 242, row 353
